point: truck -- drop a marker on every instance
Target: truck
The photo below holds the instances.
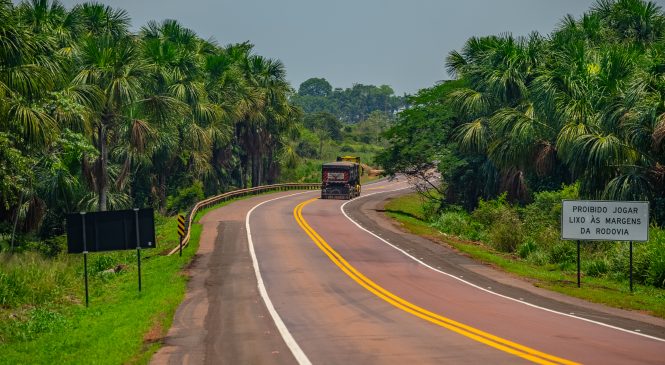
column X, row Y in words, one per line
column 341, row 179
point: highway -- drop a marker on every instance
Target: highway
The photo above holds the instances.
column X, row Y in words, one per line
column 288, row 278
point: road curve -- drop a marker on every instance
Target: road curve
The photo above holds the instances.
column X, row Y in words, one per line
column 333, row 292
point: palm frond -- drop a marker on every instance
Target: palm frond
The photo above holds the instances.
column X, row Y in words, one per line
column 474, row 136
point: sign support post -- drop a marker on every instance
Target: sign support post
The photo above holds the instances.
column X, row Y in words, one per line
column 138, row 244
column 631, row 266
column 578, row 263
column 85, row 259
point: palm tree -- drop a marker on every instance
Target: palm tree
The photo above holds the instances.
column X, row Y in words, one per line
column 229, row 89
column 273, row 115
column 49, row 18
column 112, row 64
column 26, row 75
column 632, row 21
column 177, row 60
column 533, row 105
column 502, row 121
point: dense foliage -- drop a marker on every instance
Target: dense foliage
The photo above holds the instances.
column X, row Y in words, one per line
column 93, row 116
column 350, row 105
column 529, row 121
column 585, row 104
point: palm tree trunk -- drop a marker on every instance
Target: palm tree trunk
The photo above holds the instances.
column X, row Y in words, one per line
column 272, row 168
column 255, row 151
column 259, row 163
column 102, row 178
column 242, row 174
column 161, row 190
column 255, row 168
column 18, row 210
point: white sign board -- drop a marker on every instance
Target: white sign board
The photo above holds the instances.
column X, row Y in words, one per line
column 602, row 220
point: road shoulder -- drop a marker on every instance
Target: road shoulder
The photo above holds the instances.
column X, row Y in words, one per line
column 223, row 319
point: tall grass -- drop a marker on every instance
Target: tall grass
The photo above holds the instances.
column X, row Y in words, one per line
column 31, row 279
column 45, row 321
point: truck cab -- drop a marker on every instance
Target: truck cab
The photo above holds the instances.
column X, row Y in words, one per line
column 340, row 180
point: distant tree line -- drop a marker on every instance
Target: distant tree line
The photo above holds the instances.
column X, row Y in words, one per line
column 583, row 105
column 350, row 105
column 94, row 117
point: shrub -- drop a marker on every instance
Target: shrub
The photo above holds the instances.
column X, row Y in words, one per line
column 430, row 208
column 657, row 271
column 562, row 253
column 186, row 198
column 100, row 262
column 506, row 232
column 597, row 267
column 620, row 261
column 538, row 257
column 501, row 221
column 527, row 248
column 50, row 247
column 655, row 249
column 489, row 211
column 453, row 222
column 545, row 211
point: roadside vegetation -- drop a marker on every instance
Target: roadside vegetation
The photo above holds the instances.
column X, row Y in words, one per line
column 43, row 318
column 539, row 255
column 95, row 117
column 528, row 121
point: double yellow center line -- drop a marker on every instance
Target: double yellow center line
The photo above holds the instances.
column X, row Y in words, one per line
column 460, row 328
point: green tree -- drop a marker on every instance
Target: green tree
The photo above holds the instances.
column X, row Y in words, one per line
column 315, row 87
column 582, row 104
column 350, row 105
column 325, row 125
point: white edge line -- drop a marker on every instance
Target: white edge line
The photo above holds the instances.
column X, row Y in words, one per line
column 481, row 288
column 297, row 352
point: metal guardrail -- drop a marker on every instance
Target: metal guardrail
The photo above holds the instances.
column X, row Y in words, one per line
column 203, row 204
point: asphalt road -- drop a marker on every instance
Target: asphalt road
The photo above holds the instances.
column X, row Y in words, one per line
column 290, row 279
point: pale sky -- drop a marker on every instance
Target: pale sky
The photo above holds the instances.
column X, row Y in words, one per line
column 400, row 43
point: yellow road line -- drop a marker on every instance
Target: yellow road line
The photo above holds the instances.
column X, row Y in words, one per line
column 465, row 330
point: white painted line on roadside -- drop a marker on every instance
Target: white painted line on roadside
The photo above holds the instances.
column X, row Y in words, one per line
column 478, row 287
column 297, row 352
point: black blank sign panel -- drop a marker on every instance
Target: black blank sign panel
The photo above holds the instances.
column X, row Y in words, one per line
column 110, row 231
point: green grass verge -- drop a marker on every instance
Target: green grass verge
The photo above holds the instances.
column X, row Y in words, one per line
column 121, row 326
column 408, row 211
